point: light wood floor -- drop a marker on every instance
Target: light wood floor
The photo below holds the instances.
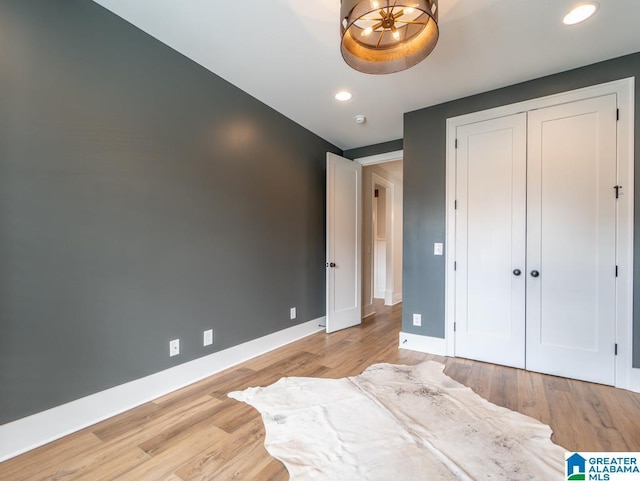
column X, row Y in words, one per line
column 197, row 433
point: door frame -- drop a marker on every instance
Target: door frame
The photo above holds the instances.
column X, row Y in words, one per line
column 382, row 158
column 626, row 376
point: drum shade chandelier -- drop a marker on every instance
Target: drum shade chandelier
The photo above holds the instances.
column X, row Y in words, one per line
column 386, row 36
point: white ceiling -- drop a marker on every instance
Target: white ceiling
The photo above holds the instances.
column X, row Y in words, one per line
column 286, row 53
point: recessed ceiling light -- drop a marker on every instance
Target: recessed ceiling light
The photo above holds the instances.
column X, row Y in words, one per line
column 343, row 96
column 580, row 13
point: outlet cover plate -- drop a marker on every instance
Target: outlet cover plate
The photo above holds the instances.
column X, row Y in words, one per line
column 293, row 313
column 208, row 337
column 417, row 319
column 174, row 347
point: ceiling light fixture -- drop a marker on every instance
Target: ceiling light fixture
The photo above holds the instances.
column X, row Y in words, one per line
column 343, row 96
column 580, row 13
column 386, row 36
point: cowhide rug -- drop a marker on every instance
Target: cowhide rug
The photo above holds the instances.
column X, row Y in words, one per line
column 399, row 423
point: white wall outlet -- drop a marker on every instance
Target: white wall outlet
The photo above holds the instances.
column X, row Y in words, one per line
column 292, row 313
column 417, row 319
column 437, row 249
column 207, row 338
column 174, row 347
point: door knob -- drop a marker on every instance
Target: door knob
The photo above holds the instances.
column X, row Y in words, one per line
column 535, row 273
column 517, row 272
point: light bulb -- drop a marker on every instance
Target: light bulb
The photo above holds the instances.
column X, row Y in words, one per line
column 343, row 96
column 396, row 34
column 580, row 14
column 367, row 31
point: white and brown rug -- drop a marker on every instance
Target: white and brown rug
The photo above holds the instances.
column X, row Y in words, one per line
column 399, row 423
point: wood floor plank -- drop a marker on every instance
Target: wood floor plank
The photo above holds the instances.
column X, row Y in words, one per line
column 141, row 429
column 46, row 459
column 169, row 459
column 114, row 465
column 193, row 425
column 212, row 460
column 198, row 433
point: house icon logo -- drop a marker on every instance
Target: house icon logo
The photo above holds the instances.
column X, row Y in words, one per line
column 576, row 467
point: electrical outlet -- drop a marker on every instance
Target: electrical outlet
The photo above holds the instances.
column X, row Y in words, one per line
column 417, row 319
column 174, row 347
column 437, row 248
column 208, row 337
column 293, row 313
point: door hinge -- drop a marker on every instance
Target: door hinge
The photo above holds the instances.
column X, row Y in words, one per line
column 617, row 189
column 616, row 271
column 454, row 327
column 455, row 265
column 456, row 144
column 617, row 114
column 616, row 349
column 455, row 204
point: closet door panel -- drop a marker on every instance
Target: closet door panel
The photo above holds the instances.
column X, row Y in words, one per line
column 490, row 240
column 571, row 225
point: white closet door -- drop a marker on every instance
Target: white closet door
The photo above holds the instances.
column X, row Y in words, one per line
column 571, row 234
column 490, row 241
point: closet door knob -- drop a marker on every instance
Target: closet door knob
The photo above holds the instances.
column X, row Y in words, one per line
column 517, row 272
column 535, row 273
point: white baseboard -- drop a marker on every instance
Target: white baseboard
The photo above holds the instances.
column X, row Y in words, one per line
column 25, row 434
column 368, row 310
column 426, row 344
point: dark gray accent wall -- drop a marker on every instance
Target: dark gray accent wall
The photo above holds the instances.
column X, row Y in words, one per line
column 381, row 148
column 142, row 199
column 424, row 186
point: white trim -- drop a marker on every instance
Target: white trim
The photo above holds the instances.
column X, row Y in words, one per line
column 38, row 429
column 614, row 87
column 625, row 225
column 450, row 238
column 396, row 298
column 381, row 158
column 426, row 344
column 626, row 377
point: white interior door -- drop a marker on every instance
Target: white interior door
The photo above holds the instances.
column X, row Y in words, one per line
column 571, row 240
column 490, row 241
column 344, row 218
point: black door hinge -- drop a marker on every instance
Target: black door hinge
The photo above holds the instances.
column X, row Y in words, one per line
column 455, row 204
column 617, row 114
column 616, row 349
column 454, row 327
column 455, row 266
column 617, row 189
column 616, row 271
column 456, row 143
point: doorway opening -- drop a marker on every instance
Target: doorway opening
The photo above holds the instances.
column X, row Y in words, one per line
column 382, row 178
